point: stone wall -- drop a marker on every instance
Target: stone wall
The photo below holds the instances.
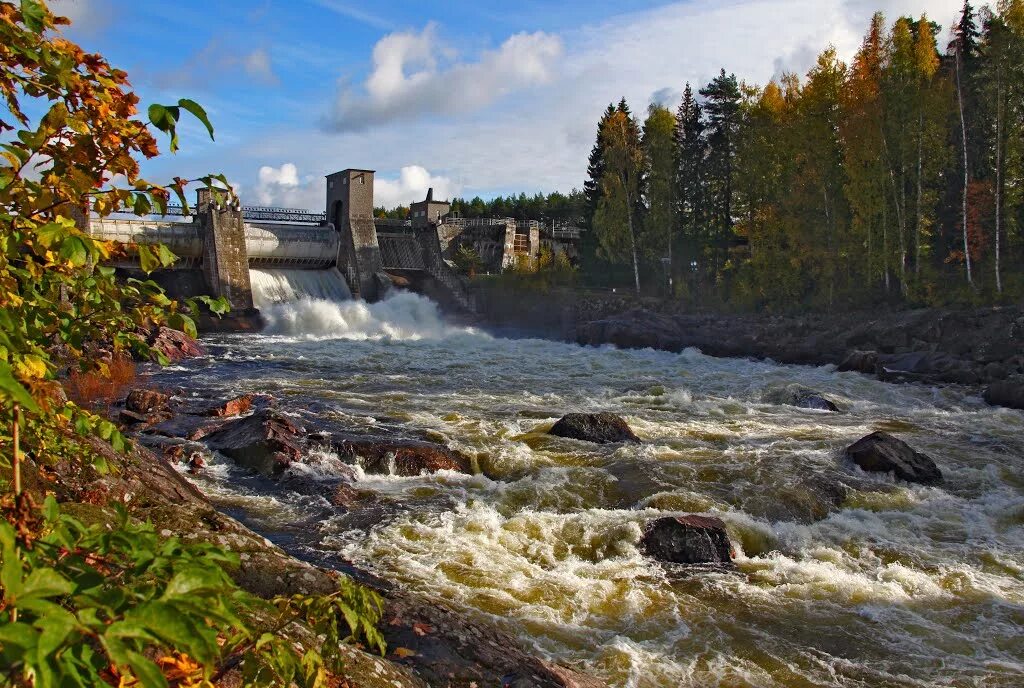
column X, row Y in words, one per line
column 225, row 261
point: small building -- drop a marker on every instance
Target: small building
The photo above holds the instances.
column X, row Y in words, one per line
column 425, row 212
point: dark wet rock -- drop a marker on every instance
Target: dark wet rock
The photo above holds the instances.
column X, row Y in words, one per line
column 917, row 366
column 175, row 345
column 815, row 402
column 266, row 442
column 880, row 452
column 1008, row 393
column 602, row 428
column 689, row 539
column 131, row 418
column 405, row 458
column 146, row 401
column 186, row 426
column 635, row 329
column 450, row 650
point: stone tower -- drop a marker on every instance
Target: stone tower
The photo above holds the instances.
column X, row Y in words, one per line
column 350, row 209
column 225, row 259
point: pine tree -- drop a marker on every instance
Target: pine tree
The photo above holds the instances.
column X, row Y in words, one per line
column 722, row 107
column 596, row 166
column 690, row 156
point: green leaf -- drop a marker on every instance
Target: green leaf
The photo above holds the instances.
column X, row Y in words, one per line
column 167, row 258
column 46, row 582
column 148, row 259
column 165, row 118
column 179, row 321
column 198, row 112
column 147, row 672
column 34, row 15
column 13, row 389
column 73, row 249
column 142, row 205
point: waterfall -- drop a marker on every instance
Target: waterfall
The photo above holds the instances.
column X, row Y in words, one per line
column 317, row 304
column 271, row 287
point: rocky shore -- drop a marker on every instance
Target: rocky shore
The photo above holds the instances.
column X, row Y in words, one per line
column 983, row 347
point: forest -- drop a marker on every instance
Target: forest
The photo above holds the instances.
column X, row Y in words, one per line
column 896, row 178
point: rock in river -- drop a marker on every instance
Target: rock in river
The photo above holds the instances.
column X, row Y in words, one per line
column 266, row 441
column 406, row 458
column 602, row 428
column 688, row 540
column 880, row 452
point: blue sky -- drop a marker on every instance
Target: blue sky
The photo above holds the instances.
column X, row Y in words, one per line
column 470, row 96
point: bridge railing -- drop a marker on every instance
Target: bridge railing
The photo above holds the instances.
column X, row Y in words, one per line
column 263, row 213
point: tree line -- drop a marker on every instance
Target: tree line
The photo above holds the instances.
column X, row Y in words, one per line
column 895, row 178
column 556, row 206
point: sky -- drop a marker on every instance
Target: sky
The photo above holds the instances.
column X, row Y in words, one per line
column 471, row 97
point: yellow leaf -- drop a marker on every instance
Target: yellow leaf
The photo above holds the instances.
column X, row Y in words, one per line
column 31, row 368
column 403, row 652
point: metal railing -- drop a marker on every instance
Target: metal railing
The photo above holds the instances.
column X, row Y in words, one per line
column 263, row 213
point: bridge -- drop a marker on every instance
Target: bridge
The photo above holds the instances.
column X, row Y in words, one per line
column 218, row 245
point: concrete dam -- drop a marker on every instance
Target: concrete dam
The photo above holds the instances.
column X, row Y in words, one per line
column 227, row 250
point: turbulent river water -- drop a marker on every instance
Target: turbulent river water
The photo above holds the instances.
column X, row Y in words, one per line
column 900, row 586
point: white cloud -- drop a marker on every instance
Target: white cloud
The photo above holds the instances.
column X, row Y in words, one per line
column 539, row 140
column 257, row 65
column 282, row 186
column 285, row 186
column 414, row 74
column 412, row 185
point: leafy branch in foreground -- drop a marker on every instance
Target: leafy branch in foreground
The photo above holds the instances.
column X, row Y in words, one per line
column 89, row 605
column 113, row 603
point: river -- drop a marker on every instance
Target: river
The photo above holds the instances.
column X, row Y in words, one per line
column 902, row 585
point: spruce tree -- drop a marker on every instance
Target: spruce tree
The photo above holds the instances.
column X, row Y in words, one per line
column 690, row 154
column 596, row 166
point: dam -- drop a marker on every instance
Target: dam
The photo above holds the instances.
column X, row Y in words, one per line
column 224, row 249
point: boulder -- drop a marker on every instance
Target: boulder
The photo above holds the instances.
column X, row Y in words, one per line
column 266, row 442
column 602, row 428
column 815, row 402
column 1008, row 393
column 859, row 362
column 406, row 458
column 146, row 401
column 926, row 366
column 880, row 452
column 175, row 345
column 634, row 329
column 688, row 539
column 232, row 407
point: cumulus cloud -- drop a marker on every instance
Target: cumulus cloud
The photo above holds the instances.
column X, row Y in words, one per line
column 285, row 186
column 282, row 186
column 414, row 74
column 412, row 185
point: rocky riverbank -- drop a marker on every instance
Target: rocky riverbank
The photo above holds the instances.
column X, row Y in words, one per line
column 982, row 347
column 174, row 433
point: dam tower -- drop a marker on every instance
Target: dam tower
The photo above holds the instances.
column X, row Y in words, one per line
column 350, row 210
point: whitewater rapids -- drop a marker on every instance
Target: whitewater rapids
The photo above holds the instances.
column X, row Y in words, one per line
column 904, row 585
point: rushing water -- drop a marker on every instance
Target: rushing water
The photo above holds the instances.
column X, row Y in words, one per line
column 901, row 586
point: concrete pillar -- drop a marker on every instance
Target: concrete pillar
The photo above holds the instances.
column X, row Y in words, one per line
column 534, row 243
column 350, row 209
column 508, row 254
column 225, row 260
